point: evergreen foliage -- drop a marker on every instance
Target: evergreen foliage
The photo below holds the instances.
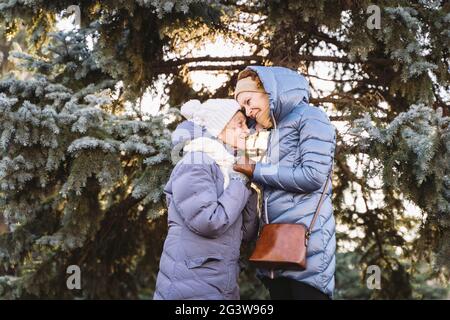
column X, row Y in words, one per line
column 82, row 167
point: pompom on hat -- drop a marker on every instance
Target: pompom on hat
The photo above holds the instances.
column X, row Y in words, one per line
column 213, row 114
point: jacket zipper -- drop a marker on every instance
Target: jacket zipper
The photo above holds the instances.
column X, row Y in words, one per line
column 267, row 222
column 272, row 272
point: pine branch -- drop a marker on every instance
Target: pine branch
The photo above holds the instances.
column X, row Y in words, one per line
column 208, row 58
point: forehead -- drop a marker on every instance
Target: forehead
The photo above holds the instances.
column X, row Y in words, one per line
column 244, row 95
column 239, row 116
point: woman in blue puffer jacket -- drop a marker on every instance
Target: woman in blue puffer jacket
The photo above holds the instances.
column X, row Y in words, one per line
column 299, row 158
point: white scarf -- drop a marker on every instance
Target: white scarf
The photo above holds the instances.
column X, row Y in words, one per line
column 217, row 151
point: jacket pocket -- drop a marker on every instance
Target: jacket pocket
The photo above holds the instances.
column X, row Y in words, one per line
column 210, row 270
column 195, row 262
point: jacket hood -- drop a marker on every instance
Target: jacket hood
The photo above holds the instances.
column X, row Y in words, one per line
column 187, row 131
column 286, row 88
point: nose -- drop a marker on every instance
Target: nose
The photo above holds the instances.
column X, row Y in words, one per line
column 247, row 110
column 252, row 113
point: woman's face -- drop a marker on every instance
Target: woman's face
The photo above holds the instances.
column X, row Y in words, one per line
column 256, row 106
column 236, row 131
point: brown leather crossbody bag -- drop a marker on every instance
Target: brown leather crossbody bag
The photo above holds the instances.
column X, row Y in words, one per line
column 283, row 245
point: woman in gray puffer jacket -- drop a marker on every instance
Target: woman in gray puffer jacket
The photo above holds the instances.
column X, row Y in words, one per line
column 211, row 208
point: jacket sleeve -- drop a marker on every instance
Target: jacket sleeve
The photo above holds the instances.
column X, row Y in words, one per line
column 250, row 217
column 317, row 140
column 203, row 211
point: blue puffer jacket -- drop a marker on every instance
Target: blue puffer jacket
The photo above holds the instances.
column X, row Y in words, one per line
column 300, row 156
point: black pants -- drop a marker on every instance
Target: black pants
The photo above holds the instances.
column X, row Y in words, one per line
column 289, row 289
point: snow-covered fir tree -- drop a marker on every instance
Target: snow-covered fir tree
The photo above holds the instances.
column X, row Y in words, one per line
column 70, row 171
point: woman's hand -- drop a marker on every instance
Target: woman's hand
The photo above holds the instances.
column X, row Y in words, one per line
column 245, row 165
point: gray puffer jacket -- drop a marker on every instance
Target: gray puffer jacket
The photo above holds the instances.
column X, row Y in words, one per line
column 206, row 227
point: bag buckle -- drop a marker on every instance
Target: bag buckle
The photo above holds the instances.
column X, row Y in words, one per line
column 307, row 235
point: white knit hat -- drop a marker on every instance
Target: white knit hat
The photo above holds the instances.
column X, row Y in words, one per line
column 213, row 114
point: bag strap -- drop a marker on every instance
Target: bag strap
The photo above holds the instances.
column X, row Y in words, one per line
column 316, row 214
